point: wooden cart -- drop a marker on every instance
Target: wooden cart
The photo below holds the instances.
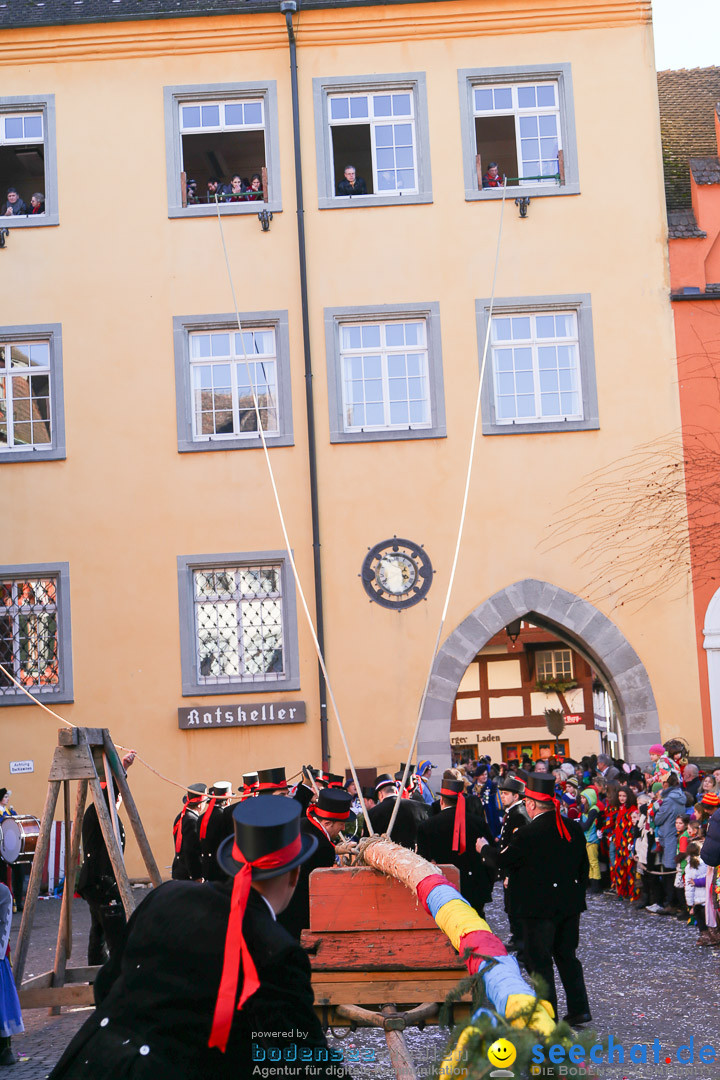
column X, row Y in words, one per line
column 378, row 959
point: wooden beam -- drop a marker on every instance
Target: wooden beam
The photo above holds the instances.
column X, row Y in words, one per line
column 63, row 949
column 264, row 176
column 81, row 974
column 381, row 950
column 56, row 996
column 561, row 166
column 37, row 982
column 93, row 736
column 132, row 812
column 478, row 171
column 183, row 188
column 33, row 891
column 400, row 1057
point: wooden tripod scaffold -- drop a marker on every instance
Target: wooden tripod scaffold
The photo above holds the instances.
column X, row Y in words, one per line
column 82, row 754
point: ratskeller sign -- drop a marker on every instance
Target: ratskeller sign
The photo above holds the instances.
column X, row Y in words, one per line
column 225, row 716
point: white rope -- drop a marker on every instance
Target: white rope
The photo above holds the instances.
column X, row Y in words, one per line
column 463, row 513
column 281, row 516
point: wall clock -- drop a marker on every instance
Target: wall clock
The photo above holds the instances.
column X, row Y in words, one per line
column 396, row 573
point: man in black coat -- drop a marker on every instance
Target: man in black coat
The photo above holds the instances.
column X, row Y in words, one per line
column 214, row 826
column 547, row 864
column 511, row 791
column 167, row 1008
column 451, row 837
column 410, row 813
column 187, row 864
column 325, row 821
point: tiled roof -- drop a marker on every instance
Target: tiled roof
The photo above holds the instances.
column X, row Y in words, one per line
column 688, row 99
column 705, row 170
column 17, row 13
column 682, row 224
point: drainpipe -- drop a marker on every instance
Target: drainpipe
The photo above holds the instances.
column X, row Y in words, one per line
column 288, row 7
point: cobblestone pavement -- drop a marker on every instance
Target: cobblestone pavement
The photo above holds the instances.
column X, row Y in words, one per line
column 645, row 975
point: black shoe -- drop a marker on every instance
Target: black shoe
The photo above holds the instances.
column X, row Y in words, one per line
column 8, row 1057
column 575, row 1019
column 639, row 905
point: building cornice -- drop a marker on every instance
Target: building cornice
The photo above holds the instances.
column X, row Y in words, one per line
column 384, row 23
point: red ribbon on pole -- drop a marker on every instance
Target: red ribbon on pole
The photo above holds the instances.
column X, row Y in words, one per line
column 236, row 946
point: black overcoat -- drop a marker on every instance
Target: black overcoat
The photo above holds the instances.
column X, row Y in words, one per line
column 548, row 874
column 219, row 826
column 155, row 1000
column 296, row 916
column 96, row 881
column 513, row 819
column 434, row 841
column 187, row 864
column 409, row 816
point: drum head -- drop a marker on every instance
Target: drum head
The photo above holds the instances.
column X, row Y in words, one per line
column 10, row 839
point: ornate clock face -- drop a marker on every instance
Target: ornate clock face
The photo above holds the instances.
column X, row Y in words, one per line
column 396, row 573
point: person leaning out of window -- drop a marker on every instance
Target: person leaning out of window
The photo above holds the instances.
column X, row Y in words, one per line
column 37, row 203
column 14, row 205
column 254, row 192
column 352, row 184
column 492, row 177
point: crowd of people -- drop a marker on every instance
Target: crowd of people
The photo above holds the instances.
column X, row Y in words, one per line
column 14, row 206
column 239, row 189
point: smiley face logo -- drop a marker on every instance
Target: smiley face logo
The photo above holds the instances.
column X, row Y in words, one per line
column 502, row 1053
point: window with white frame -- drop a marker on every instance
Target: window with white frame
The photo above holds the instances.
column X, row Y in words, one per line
column 536, row 368
column 35, row 646
column 375, row 134
column 222, row 139
column 225, row 367
column 222, row 146
column 25, row 418
column 23, row 183
column 31, row 393
column 555, row 664
column 239, row 624
column 517, row 127
column 385, row 375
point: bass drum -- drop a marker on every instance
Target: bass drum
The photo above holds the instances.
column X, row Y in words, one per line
column 18, row 838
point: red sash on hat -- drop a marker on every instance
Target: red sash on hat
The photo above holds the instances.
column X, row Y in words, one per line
column 540, row 797
column 236, row 946
column 206, row 818
column 459, row 821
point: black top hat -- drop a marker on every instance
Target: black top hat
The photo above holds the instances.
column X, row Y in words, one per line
column 265, row 827
column 512, row 783
column 198, row 792
column 322, row 779
column 384, row 780
column 271, row 780
column 333, row 804
column 452, row 788
column 540, row 784
column 335, row 780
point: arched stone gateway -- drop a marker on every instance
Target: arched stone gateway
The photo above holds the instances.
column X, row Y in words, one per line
column 575, row 621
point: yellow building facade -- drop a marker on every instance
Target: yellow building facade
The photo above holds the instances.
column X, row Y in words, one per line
column 136, row 508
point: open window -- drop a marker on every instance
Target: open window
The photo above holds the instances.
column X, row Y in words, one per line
column 28, row 171
column 372, row 140
column 517, row 128
column 222, row 140
column 518, row 124
column 375, row 135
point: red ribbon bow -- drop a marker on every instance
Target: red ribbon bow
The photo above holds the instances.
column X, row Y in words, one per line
column 236, row 946
column 539, row 797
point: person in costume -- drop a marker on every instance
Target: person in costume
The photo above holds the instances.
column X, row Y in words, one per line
column 589, row 820
column 215, row 825
column 547, row 864
column 451, row 837
column 324, row 821
column 11, row 1021
column 421, row 783
column 512, row 791
column 208, row 980
column 410, row 813
column 249, row 786
column 187, row 864
column 624, row 876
